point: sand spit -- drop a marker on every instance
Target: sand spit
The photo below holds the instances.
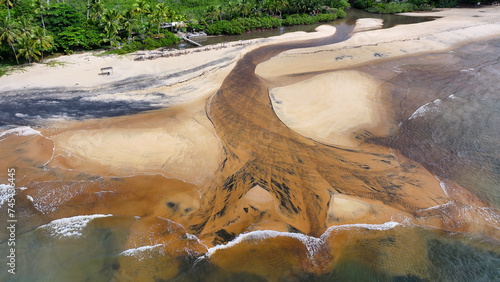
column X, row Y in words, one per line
column 455, row 27
column 368, row 24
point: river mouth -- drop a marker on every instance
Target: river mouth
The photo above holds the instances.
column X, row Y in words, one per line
column 351, row 16
column 307, row 210
column 31, row 107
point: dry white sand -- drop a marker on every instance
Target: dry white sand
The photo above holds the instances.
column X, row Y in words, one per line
column 82, row 70
column 331, row 107
column 180, row 145
column 456, row 26
column 368, row 24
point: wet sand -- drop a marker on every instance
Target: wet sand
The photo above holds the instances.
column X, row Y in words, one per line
column 256, row 146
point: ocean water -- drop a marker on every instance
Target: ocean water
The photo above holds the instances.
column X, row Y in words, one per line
column 449, row 115
column 448, row 118
column 91, row 249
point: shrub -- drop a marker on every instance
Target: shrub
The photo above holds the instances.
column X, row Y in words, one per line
column 78, row 38
column 306, row 19
column 391, row 8
column 340, row 4
column 240, row 25
column 363, row 4
column 165, row 39
column 446, row 3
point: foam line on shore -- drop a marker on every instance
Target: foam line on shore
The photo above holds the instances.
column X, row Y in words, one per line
column 312, row 244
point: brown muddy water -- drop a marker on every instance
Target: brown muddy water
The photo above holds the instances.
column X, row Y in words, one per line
column 268, row 214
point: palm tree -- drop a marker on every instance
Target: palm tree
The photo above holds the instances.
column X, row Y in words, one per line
column 159, row 14
column 41, row 6
column 155, row 19
column 88, row 9
column 259, row 6
column 232, row 6
column 111, row 22
column 270, row 6
column 211, row 13
column 141, row 7
column 128, row 21
column 9, row 5
column 42, row 41
column 25, row 27
column 172, row 16
column 148, row 28
column 245, row 6
column 219, row 9
column 164, row 10
column 280, row 4
column 97, row 9
column 27, row 48
column 9, row 32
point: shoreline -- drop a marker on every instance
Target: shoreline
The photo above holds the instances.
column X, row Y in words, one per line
column 272, row 158
column 452, row 29
column 81, row 144
column 81, row 71
column 371, row 114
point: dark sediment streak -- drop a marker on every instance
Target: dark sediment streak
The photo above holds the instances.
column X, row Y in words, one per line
column 300, row 173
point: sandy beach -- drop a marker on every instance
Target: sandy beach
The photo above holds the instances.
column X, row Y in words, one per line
column 235, row 146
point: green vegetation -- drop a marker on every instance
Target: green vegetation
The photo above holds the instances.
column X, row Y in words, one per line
column 446, row 3
column 400, row 6
column 232, row 17
column 53, row 64
column 391, row 7
column 32, row 29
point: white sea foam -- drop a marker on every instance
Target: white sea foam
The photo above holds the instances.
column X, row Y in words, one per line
column 21, row 131
column 442, row 184
column 4, row 194
column 379, row 227
column 467, row 70
column 312, row 244
column 429, row 107
column 71, row 226
column 140, row 252
column 437, row 206
column 491, row 215
column 50, row 199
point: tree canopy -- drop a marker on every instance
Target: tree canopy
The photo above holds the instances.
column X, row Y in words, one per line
column 31, row 29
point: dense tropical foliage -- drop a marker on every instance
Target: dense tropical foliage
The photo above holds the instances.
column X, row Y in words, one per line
column 32, row 28
column 400, row 6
